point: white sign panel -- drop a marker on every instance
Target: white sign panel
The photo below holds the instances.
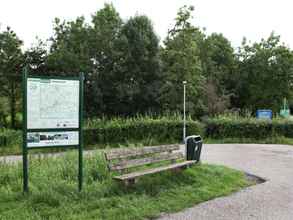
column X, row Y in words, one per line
column 52, row 103
column 43, row 139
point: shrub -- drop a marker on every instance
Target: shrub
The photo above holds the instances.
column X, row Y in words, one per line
column 9, row 137
column 283, row 128
column 119, row 130
column 239, row 127
column 139, row 129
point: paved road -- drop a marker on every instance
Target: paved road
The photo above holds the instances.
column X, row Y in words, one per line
column 272, row 200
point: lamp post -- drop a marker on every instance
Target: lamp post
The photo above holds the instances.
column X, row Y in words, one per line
column 184, row 110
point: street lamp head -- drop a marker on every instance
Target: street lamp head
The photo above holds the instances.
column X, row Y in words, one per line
column 184, row 82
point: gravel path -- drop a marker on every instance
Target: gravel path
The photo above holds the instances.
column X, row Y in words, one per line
column 272, row 200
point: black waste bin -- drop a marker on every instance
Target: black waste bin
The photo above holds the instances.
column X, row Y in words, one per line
column 193, row 146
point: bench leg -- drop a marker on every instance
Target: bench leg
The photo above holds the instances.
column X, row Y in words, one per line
column 177, row 170
column 180, row 169
column 185, row 167
column 129, row 182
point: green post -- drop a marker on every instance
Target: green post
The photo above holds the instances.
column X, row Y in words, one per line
column 24, row 131
column 80, row 154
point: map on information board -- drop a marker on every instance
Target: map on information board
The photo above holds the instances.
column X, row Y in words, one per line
column 52, row 103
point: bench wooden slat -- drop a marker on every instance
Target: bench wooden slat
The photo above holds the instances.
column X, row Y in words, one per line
column 154, row 170
column 124, row 164
column 137, row 151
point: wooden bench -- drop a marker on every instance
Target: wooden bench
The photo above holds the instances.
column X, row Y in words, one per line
column 123, row 159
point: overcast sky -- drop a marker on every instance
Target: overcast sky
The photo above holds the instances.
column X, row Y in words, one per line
column 254, row 19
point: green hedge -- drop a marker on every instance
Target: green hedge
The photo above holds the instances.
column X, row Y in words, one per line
column 169, row 130
column 103, row 131
column 9, row 137
column 248, row 128
column 283, row 128
column 161, row 130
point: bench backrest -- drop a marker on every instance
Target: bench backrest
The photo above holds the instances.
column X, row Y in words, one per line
column 125, row 158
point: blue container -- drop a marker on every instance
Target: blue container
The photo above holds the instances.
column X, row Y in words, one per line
column 264, row 114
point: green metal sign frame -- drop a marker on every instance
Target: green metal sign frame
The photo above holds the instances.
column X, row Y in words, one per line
column 26, row 130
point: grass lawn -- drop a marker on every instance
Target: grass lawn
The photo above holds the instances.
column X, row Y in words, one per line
column 53, row 190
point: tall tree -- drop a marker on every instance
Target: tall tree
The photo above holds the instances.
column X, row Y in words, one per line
column 139, row 77
column 218, row 60
column 104, row 35
column 11, row 63
column 265, row 74
column 89, row 48
column 181, row 61
column 218, row 64
column 69, row 51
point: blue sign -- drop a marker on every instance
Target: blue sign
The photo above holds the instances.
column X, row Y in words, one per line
column 264, row 114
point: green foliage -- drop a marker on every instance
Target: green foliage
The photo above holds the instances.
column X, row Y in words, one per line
column 140, row 129
column 181, row 62
column 36, row 58
column 69, row 52
column 218, row 60
column 248, row 128
column 11, row 63
column 9, row 138
column 81, row 47
column 120, row 61
column 4, row 109
column 138, row 79
column 54, row 192
column 128, row 73
column 265, row 73
column 101, row 94
column 99, row 133
column 240, row 128
column 218, row 65
column 283, row 127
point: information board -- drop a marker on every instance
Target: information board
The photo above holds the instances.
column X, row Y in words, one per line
column 52, row 116
column 264, row 114
column 52, row 103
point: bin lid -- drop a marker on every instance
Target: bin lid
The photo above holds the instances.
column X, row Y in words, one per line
column 195, row 137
